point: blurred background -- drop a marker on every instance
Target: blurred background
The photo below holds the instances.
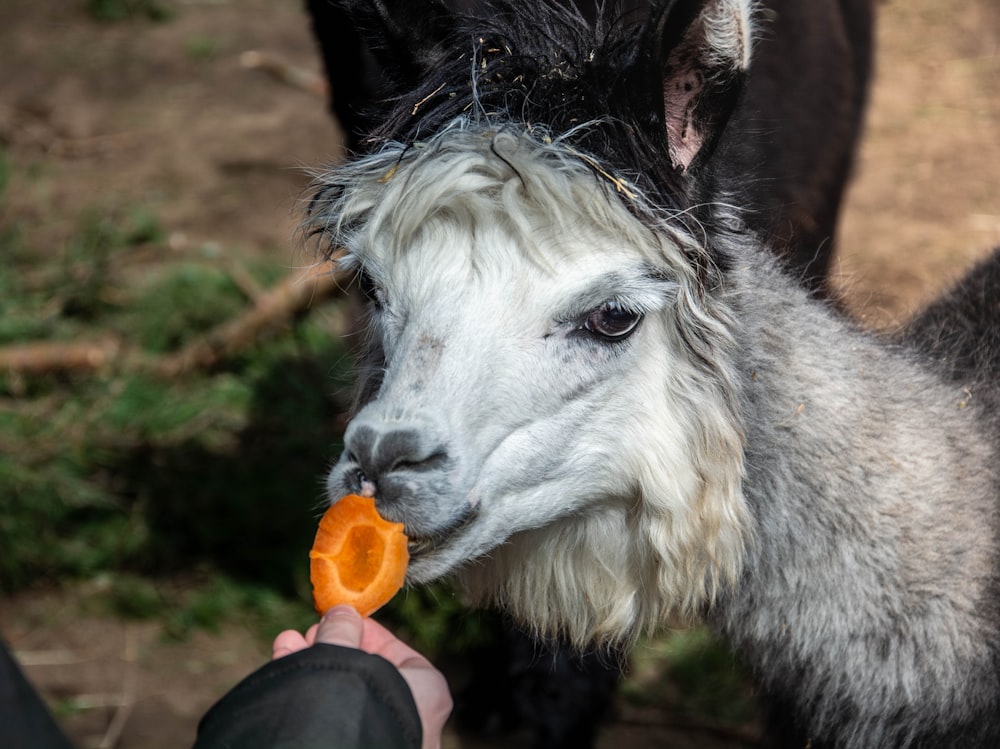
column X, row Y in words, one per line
column 173, row 373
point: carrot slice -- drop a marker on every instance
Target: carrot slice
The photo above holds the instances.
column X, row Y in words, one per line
column 358, row 557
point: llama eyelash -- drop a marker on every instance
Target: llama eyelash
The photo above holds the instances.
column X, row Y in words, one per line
column 641, row 293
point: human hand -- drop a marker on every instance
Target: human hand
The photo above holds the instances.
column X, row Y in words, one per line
column 344, row 626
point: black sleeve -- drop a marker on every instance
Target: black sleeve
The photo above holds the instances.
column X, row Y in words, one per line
column 24, row 718
column 324, row 696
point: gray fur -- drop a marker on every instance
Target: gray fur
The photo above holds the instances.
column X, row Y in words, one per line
column 846, row 531
column 871, row 596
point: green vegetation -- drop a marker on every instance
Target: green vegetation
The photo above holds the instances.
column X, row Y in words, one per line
column 4, row 172
column 204, row 599
column 125, row 10
column 131, row 477
column 202, row 48
column 692, row 669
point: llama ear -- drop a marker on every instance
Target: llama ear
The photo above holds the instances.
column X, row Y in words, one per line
column 701, row 49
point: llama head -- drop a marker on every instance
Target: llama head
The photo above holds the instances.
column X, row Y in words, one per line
column 670, row 71
column 546, row 396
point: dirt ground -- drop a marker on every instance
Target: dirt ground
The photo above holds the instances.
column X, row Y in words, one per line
column 925, row 201
column 165, row 113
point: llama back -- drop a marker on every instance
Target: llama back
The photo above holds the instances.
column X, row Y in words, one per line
column 960, row 331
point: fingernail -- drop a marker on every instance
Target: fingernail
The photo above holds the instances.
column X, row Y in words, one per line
column 342, row 609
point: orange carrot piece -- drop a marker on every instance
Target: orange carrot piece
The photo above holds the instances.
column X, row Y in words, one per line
column 358, row 557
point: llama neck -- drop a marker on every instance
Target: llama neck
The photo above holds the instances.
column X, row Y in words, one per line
column 870, row 595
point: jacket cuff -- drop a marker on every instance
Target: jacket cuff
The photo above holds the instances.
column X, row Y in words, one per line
column 321, row 696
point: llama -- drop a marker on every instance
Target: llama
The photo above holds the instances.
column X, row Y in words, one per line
column 788, row 148
column 598, row 400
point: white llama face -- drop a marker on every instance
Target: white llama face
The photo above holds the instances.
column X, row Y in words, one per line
column 548, row 396
column 549, row 390
column 523, row 375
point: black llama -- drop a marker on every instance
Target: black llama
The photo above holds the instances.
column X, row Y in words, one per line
column 787, row 150
column 595, row 396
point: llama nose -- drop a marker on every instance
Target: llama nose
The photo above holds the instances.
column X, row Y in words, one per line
column 382, row 453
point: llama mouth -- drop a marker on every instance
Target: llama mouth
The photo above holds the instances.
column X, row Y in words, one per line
column 421, row 546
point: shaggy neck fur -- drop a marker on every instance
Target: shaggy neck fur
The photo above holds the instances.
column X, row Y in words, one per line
column 872, row 483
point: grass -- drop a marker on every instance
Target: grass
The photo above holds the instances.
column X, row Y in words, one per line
column 694, row 670
column 112, row 11
column 202, row 48
column 201, row 600
column 134, row 473
column 142, row 479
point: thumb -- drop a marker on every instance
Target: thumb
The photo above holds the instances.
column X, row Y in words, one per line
column 341, row 625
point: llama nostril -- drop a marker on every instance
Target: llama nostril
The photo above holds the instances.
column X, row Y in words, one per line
column 377, row 455
column 366, row 488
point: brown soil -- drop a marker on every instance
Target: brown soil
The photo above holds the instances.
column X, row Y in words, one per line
column 925, row 202
column 165, row 113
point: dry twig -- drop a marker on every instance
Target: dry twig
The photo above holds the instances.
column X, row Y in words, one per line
column 48, row 357
column 271, row 308
column 285, row 72
column 129, row 688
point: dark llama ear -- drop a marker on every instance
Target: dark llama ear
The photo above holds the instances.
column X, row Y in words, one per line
column 406, row 37
column 701, row 49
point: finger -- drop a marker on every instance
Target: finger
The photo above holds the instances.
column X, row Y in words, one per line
column 286, row 643
column 311, row 634
column 380, row 641
column 341, row 625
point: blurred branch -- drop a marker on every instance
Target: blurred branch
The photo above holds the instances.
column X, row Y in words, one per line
column 271, row 308
column 292, row 75
column 48, row 357
column 130, row 657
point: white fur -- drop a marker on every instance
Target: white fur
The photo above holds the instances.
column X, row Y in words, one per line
column 727, row 34
column 584, row 505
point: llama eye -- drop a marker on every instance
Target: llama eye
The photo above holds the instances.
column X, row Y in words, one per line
column 372, row 291
column 612, row 321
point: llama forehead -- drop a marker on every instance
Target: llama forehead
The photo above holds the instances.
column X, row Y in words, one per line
column 485, row 281
column 488, row 204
